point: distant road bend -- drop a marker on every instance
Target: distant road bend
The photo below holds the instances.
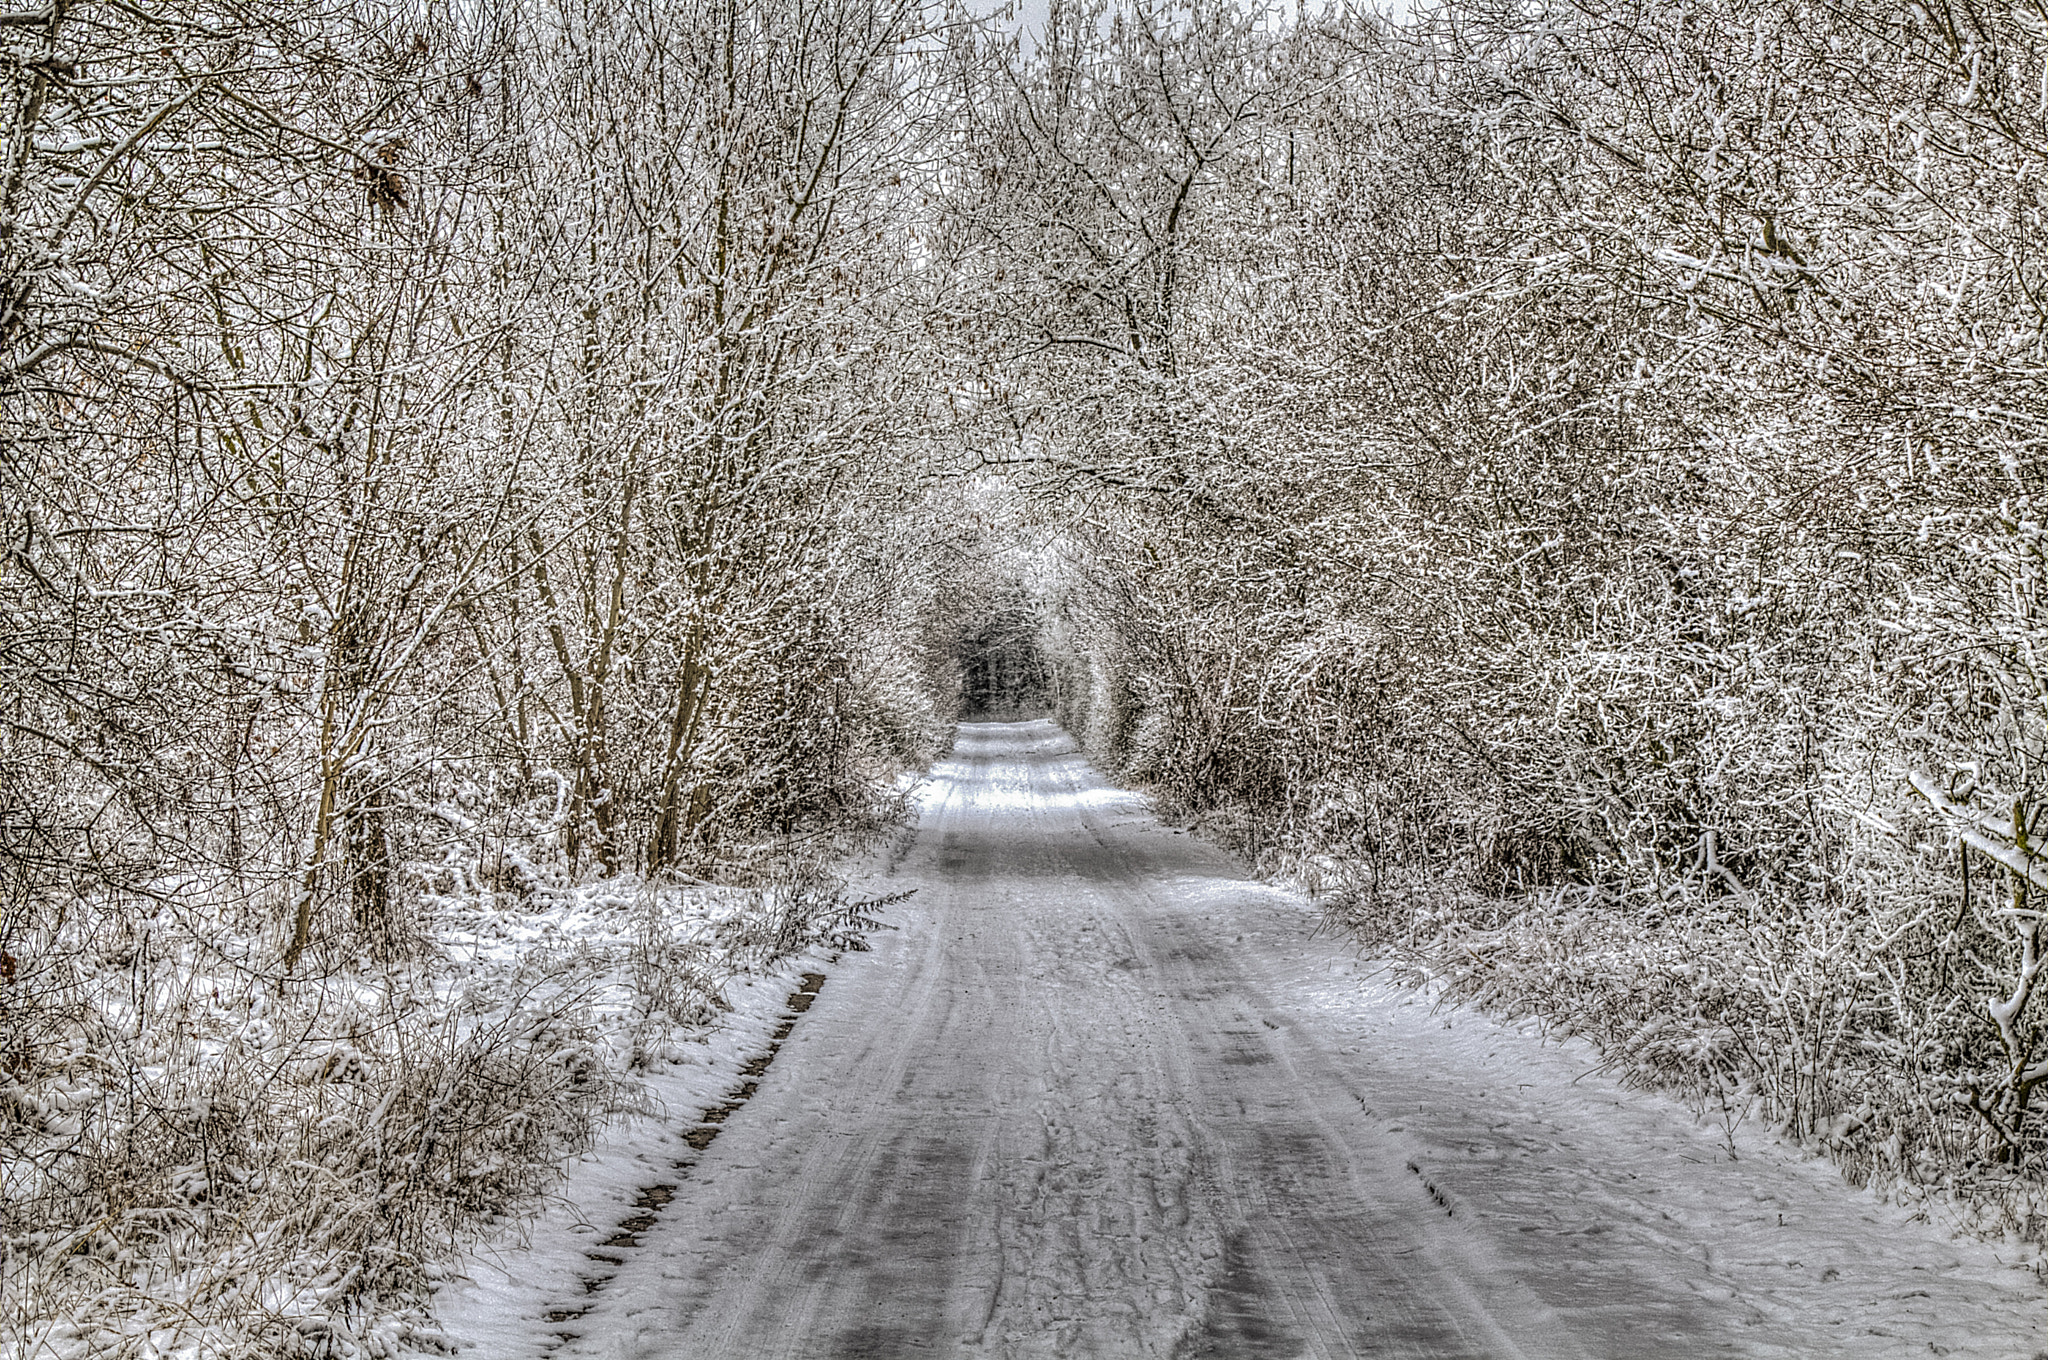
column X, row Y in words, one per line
column 1100, row 1094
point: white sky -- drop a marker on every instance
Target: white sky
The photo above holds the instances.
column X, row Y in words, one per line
column 1031, row 13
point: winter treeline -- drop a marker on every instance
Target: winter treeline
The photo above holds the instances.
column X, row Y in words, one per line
column 383, row 385
column 449, row 453
column 1565, row 477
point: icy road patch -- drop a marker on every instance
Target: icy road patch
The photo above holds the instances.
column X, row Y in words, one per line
column 1098, row 1094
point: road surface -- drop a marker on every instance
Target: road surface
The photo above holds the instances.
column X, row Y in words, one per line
column 1100, row 1094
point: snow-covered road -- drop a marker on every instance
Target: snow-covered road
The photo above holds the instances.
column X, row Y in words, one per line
column 1099, row 1094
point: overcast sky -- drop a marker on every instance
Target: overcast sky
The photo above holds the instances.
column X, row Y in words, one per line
column 1031, row 13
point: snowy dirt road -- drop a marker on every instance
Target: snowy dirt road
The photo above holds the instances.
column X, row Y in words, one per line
column 1100, row 1094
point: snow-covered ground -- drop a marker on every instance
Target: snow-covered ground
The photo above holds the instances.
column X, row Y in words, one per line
column 1099, row 1094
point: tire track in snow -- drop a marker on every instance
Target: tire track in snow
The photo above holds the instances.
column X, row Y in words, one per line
column 1100, row 1095
column 612, row 1252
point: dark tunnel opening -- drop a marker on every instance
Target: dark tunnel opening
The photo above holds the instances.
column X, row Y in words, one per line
column 1004, row 675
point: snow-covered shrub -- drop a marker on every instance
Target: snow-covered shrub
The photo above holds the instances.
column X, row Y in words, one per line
column 1575, row 506
column 192, row 1160
column 190, row 1157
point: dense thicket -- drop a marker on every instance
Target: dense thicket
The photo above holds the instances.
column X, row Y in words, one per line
column 449, row 453
column 1562, row 476
column 387, row 385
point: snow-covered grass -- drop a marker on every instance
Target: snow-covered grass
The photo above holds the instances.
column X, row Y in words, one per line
column 196, row 1161
column 1756, row 1021
column 498, row 1297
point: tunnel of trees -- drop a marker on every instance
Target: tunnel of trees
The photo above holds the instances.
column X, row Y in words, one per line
column 1004, row 672
column 1559, row 480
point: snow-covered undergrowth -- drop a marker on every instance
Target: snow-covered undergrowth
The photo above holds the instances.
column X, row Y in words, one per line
column 1748, row 1015
column 194, row 1161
